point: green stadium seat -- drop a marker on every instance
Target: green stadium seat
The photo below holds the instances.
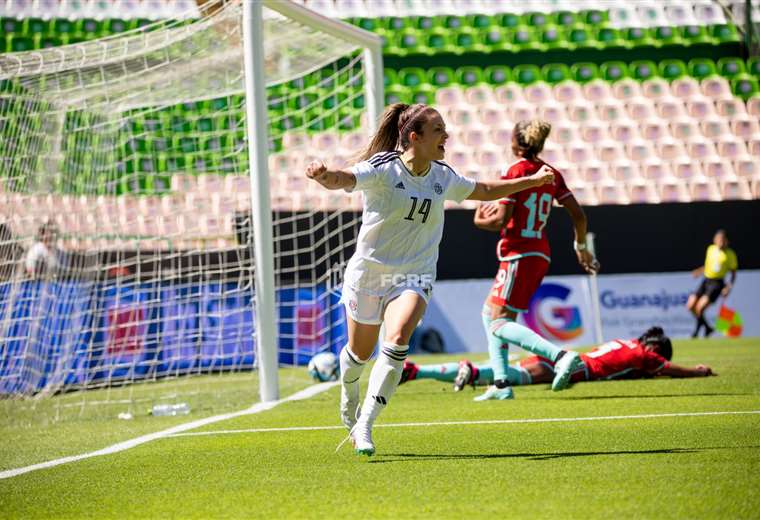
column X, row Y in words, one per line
column 479, row 21
column 348, row 119
column 730, row 67
column 441, row 76
column 536, row 19
column 411, row 77
column 10, row 26
column 396, row 23
column 424, row 94
column 469, row 76
column 495, row 38
column 694, row 35
column 305, row 99
column 18, row 43
column 665, row 35
column 390, row 77
column 701, row 68
column 440, row 40
column 584, row 72
column 185, row 143
column 406, row 42
column 550, row 37
column 33, row 26
column 636, row 37
column 523, row 38
column 423, row 23
column 579, row 36
column 753, row 66
column 172, row 163
column 672, row 69
column 117, row 25
column 219, row 104
column 62, row 26
column 526, row 74
column 497, row 75
column 508, row 20
column 744, row 86
column 613, row 71
column 46, row 42
column 467, row 40
column 594, row 17
column 451, row 22
column 368, row 24
column 724, row 33
column 642, row 70
column 609, row 38
column 89, row 27
column 565, row 18
column 358, row 102
column 398, row 94
column 554, row 73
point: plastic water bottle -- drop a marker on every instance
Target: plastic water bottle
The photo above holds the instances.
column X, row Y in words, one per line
column 170, row 409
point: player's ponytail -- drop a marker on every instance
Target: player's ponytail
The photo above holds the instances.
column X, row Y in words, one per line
column 398, row 121
column 531, row 136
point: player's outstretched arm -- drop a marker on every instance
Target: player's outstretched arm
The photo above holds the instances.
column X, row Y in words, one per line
column 678, row 371
column 330, row 179
column 493, row 190
column 580, row 224
column 491, row 217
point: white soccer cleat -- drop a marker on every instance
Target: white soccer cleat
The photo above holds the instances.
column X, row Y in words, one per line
column 361, row 436
column 564, row 368
column 349, row 405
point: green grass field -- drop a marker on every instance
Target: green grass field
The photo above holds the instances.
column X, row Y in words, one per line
column 675, row 466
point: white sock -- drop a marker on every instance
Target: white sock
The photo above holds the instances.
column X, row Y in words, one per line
column 351, row 368
column 383, row 380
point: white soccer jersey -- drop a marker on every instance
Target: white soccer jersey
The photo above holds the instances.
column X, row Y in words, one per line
column 402, row 221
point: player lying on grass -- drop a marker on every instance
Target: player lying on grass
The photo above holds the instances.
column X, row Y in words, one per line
column 647, row 356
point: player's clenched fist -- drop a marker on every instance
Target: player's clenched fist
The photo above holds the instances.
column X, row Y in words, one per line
column 545, row 175
column 316, row 170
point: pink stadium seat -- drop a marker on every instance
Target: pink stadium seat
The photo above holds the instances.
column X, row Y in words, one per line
column 553, row 154
column 745, row 126
column 552, row 112
column 489, row 157
column 353, row 141
column 508, row 94
column 610, row 110
column 597, row 90
column 669, row 149
column 735, row 189
column 670, row 108
column 756, row 188
column 718, row 169
column 753, row 145
column 580, row 111
column 564, row 133
column 642, row 193
column 522, row 112
column 655, row 88
column 655, row 170
column 210, row 183
column 687, row 169
column 626, row 89
column 639, row 150
column 731, row 147
column 701, row 149
column 654, row 129
column 624, row 131
column 593, row 131
column 680, row 14
column 624, row 171
column 501, row 135
column 473, row 137
column 708, row 13
column 449, row 96
column 716, row 87
column 492, row 114
column 700, row 107
column 730, row 107
column 325, row 141
column 639, row 108
column 578, row 152
column 184, row 183
column 196, row 203
column 611, row 193
column 704, row 190
column 673, row 191
column 460, row 158
column 609, row 151
column 584, row 194
column 567, row 91
column 462, row 115
column 295, row 139
column 684, row 87
column 538, row 92
column 753, row 106
column 748, row 167
column 479, row 95
column 714, row 127
column 593, row 171
column 684, row 128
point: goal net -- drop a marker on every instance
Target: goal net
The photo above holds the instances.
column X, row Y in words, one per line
column 126, row 250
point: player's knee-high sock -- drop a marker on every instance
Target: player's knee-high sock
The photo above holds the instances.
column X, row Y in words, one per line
column 351, row 368
column 445, row 372
column 525, row 338
column 383, row 380
column 516, row 376
column 498, row 350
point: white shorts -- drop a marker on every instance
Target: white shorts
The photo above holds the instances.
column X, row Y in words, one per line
column 369, row 308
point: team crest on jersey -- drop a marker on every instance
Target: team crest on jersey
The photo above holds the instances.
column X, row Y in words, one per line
column 353, row 305
column 437, row 188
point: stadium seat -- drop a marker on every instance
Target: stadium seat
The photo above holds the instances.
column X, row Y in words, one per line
column 700, row 107
column 680, row 14
column 449, row 96
column 654, row 129
column 610, row 110
column 624, row 131
column 745, row 86
column 685, row 87
column 593, row 131
column 719, row 169
column 735, row 189
column 584, row 72
column 665, row 35
column 684, row 128
column 753, row 106
column 565, row 133
column 624, row 171
column 701, row 68
column 526, row 74
column 640, row 192
column 670, row 108
column 701, row 149
column 730, row 67
column 538, row 92
column 725, row 33
column 552, row 112
column 627, row 89
column 509, row 93
column 411, row 77
column 704, row 190
column 567, row 91
column 554, row 73
column 580, row 111
column 639, row 108
column 613, row 71
column 441, row 76
column 597, row 90
column 636, row 37
column 655, row 88
column 611, row 193
column 469, row 76
column 672, row 191
column 497, row 75
column 730, row 147
column 609, row 151
column 749, row 167
column 730, row 107
column 639, row 150
column 672, row 69
column 479, row 95
column 745, row 126
column 643, row 69
column 708, row 13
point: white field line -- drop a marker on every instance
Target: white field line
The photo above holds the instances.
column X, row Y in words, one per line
column 471, row 423
column 137, row 441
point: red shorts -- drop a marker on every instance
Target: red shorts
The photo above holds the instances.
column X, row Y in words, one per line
column 582, row 374
column 516, row 282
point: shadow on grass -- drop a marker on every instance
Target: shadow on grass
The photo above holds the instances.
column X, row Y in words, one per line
column 416, row 457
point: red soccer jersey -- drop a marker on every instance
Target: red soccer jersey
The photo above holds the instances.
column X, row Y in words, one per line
column 524, row 232
column 619, row 359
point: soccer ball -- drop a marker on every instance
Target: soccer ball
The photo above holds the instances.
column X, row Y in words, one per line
column 324, row 367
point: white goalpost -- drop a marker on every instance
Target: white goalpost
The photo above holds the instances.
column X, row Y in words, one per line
column 156, row 223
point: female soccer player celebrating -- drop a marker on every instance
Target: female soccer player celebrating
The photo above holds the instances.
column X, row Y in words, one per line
column 524, row 255
column 389, row 278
